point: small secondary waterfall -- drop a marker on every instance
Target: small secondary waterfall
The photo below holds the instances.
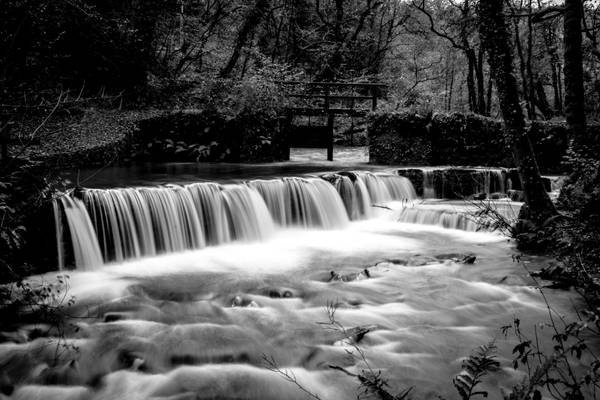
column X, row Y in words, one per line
column 428, row 188
column 446, row 182
column 445, row 218
column 361, row 190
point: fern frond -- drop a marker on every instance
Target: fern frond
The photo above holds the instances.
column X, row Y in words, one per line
column 475, row 367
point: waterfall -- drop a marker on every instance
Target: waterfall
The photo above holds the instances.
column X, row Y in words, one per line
column 307, row 202
column 119, row 224
column 249, row 216
column 60, row 250
column 126, row 223
column 444, row 218
column 428, row 188
column 145, row 221
column 361, row 190
column 85, row 243
column 386, row 187
column 446, row 182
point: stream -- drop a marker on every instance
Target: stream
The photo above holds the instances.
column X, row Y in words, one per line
column 191, row 289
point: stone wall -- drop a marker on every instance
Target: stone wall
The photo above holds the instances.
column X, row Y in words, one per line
column 210, row 136
column 399, row 139
column 404, row 138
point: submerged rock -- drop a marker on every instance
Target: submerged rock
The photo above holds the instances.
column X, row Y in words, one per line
column 335, row 276
column 239, row 301
column 469, row 259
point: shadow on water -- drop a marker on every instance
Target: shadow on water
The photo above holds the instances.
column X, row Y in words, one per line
column 302, row 162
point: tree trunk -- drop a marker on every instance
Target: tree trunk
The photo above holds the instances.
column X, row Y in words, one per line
column 522, row 69
column 251, row 22
column 495, row 38
column 488, row 110
column 573, row 70
column 471, row 59
column 541, row 100
column 531, row 84
column 550, row 42
column 481, row 109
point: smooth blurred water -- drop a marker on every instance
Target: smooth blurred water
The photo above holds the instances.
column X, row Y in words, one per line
column 198, row 323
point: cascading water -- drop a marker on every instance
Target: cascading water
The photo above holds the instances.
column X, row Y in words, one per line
column 60, row 251
column 138, row 222
column 85, row 245
column 360, row 191
column 307, row 202
column 121, row 224
column 145, row 221
column 428, row 188
column 203, row 323
column 440, row 217
column 446, row 182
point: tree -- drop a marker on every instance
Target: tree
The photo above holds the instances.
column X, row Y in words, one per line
column 573, row 70
column 495, row 38
column 460, row 15
column 253, row 18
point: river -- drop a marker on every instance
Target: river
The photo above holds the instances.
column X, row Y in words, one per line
column 291, row 285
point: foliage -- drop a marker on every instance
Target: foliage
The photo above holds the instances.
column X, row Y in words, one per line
column 43, row 303
column 475, row 367
column 558, row 371
column 24, row 191
column 457, row 139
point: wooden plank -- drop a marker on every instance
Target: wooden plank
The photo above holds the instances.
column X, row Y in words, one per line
column 307, row 111
column 338, row 84
column 335, row 97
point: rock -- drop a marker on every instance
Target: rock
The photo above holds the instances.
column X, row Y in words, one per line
column 364, row 274
column 560, row 278
column 66, row 374
column 497, row 196
column 355, row 335
column 415, row 176
column 516, row 195
column 239, row 301
column 469, row 259
column 114, row 316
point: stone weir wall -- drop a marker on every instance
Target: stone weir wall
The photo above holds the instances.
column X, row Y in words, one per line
column 172, row 136
column 406, row 138
column 467, row 183
column 210, row 136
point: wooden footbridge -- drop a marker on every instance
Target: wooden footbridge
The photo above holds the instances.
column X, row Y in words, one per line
column 326, row 100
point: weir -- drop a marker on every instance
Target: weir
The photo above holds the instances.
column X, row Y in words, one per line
column 114, row 225
column 109, row 225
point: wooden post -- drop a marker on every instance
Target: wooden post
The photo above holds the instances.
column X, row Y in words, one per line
column 330, row 118
column 374, row 91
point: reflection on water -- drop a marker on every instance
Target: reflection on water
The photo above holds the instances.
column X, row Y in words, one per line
column 302, row 162
column 341, row 154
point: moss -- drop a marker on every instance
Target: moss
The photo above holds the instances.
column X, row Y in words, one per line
column 210, row 136
column 462, row 139
column 399, row 138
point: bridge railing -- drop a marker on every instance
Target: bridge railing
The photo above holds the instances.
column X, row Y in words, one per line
column 334, row 97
